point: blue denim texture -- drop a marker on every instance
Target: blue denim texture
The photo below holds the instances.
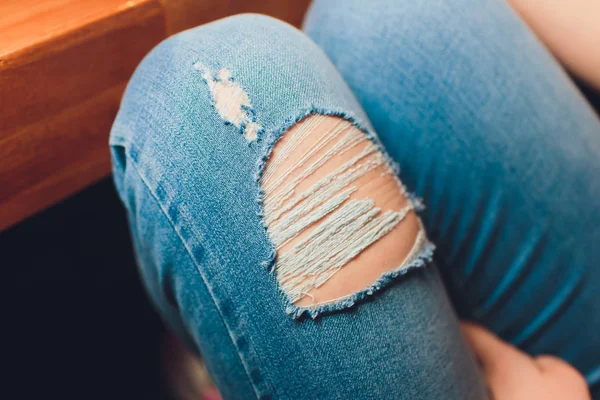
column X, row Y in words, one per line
column 189, row 184
column 509, row 197
column 504, row 149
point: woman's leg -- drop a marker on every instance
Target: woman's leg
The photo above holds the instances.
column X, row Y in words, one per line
column 352, row 306
column 506, row 152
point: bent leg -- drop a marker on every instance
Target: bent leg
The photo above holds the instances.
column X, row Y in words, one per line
column 506, row 152
column 271, row 229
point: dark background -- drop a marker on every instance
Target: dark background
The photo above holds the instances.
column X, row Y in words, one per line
column 76, row 323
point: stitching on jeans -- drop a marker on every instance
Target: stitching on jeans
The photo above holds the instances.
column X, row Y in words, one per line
column 190, row 253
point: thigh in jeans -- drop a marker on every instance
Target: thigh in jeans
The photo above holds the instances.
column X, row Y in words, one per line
column 490, row 130
column 271, row 229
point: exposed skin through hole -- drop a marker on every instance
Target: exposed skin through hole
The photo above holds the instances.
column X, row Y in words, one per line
column 379, row 184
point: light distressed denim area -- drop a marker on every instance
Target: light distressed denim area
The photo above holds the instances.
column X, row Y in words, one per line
column 186, row 171
column 495, row 137
column 485, row 126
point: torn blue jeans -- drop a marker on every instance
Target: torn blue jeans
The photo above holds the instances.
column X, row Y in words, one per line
column 505, row 159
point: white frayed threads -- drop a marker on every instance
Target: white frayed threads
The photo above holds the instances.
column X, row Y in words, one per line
column 341, row 227
column 231, row 101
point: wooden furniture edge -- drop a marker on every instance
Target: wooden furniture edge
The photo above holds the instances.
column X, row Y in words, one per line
column 60, row 94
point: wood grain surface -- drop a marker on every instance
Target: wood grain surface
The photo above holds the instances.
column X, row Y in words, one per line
column 63, row 67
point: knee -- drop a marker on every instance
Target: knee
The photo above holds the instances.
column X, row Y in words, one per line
column 258, row 53
column 216, row 91
column 175, row 85
column 247, row 71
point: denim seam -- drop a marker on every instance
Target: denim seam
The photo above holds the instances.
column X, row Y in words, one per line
column 204, row 279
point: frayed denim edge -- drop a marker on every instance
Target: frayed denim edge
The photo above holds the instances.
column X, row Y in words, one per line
column 382, row 282
column 269, row 143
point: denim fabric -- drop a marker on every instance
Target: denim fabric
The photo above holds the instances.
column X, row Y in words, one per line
column 189, row 182
column 495, row 137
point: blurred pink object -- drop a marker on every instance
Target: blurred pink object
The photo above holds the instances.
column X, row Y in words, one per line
column 186, row 374
column 211, row 394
